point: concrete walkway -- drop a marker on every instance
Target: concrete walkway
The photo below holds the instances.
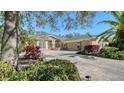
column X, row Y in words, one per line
column 100, row 69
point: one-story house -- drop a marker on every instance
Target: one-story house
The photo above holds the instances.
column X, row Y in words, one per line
column 48, row 42
column 78, row 44
column 51, row 42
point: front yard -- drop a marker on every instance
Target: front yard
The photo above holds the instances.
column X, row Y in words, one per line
column 96, row 67
column 77, row 67
column 53, row 70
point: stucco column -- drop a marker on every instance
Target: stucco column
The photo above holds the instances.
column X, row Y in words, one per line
column 46, row 44
column 53, row 44
column 38, row 43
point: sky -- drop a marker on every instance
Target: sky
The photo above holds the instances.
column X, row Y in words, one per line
column 94, row 30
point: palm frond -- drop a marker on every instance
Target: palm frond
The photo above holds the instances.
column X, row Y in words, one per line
column 105, row 34
column 114, row 23
column 88, row 34
column 117, row 15
column 107, row 38
column 113, row 39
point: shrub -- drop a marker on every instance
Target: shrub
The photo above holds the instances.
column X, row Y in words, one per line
column 32, row 52
column 6, row 71
column 25, row 73
column 110, row 49
column 54, row 70
column 19, row 76
column 107, row 52
column 118, row 55
column 91, row 49
column 111, row 52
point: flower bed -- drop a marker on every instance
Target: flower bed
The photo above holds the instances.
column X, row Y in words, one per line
column 91, row 49
column 32, row 52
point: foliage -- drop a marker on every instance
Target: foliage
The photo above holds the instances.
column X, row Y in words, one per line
column 112, row 44
column 57, row 70
column 25, row 73
column 114, row 33
column 6, row 71
column 111, row 52
column 75, row 36
column 81, row 19
column 107, row 52
column 92, row 49
column 54, row 70
column 25, row 38
column 19, row 76
column 32, row 52
column 118, row 55
column 110, row 49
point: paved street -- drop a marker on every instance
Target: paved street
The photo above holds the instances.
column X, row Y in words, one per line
column 98, row 68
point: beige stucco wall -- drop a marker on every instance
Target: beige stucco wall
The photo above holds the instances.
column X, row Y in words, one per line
column 46, row 44
column 38, row 43
column 94, row 43
column 85, row 43
column 79, row 45
column 72, row 45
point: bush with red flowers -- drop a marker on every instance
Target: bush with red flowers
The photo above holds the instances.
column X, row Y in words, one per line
column 32, row 52
column 91, row 49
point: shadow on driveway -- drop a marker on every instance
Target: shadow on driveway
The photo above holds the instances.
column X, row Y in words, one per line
column 78, row 55
column 87, row 57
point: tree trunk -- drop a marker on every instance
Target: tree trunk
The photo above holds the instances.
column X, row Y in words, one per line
column 9, row 39
column 121, row 41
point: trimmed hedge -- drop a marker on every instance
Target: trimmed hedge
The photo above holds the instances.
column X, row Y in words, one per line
column 111, row 52
column 54, row 70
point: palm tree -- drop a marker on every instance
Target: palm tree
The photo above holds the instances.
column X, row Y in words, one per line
column 116, row 32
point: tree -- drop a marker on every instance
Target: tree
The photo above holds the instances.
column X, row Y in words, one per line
column 116, row 32
column 10, row 37
column 14, row 21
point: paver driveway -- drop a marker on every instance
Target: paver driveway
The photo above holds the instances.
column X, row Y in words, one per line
column 97, row 68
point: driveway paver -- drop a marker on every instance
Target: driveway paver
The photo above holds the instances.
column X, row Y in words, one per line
column 100, row 69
